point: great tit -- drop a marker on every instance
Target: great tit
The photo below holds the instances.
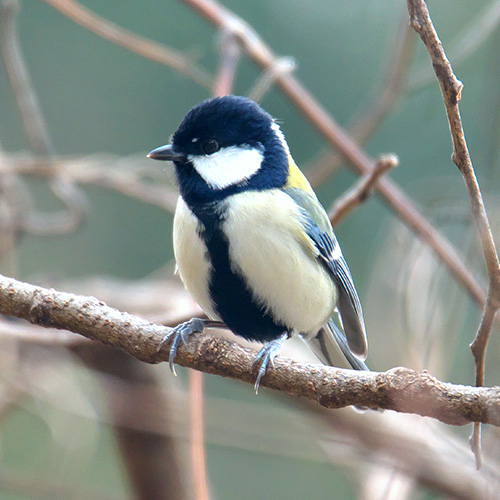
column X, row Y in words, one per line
column 253, row 245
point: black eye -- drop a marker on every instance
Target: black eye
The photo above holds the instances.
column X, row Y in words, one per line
column 210, row 146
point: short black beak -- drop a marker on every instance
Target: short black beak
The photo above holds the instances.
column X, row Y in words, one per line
column 166, row 153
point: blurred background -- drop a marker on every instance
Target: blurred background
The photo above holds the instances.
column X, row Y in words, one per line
column 82, row 210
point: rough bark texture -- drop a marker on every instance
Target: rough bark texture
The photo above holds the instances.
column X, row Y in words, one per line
column 399, row 389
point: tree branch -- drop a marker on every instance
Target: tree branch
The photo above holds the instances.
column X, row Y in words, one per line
column 362, row 189
column 269, row 76
column 34, row 124
column 399, row 389
column 463, row 46
column 451, row 90
column 130, row 176
column 141, row 46
column 36, row 130
column 151, row 460
column 372, row 115
column 230, row 53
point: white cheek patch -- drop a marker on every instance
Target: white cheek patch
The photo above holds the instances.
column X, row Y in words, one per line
column 228, row 166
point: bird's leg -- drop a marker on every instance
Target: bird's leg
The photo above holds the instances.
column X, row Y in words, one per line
column 267, row 354
column 182, row 332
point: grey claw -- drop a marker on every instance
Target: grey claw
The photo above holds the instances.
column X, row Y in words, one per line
column 261, row 373
column 267, row 354
column 165, row 340
column 181, row 332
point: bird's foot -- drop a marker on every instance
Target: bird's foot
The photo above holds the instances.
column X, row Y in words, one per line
column 181, row 333
column 266, row 355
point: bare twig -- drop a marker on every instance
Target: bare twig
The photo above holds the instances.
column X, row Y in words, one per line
column 128, row 176
column 451, row 89
column 33, row 121
column 197, row 435
column 402, row 205
column 120, row 36
column 36, row 131
column 270, row 75
column 464, row 44
column 422, row 452
column 421, row 448
column 230, row 52
column 362, row 189
column 151, row 459
column 391, row 88
column 399, row 389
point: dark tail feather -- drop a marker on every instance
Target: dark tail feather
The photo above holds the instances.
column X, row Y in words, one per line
column 330, row 346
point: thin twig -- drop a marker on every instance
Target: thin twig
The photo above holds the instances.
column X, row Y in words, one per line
column 363, row 188
column 391, row 88
column 197, row 435
column 402, row 205
column 269, row 76
column 151, row 460
column 33, row 121
column 399, row 389
column 146, row 48
column 127, row 175
column 463, row 45
column 230, row 53
column 36, row 130
column 451, row 89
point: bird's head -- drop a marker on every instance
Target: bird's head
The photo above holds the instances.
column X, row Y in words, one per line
column 226, row 145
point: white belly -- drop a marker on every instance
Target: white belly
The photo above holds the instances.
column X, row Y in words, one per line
column 191, row 257
column 269, row 249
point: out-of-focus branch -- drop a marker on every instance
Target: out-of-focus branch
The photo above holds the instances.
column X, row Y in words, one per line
column 407, row 445
column 399, row 389
column 129, row 176
column 25, row 332
column 230, row 53
column 451, row 89
column 33, row 121
column 151, row 459
column 36, row 131
column 197, row 436
column 362, row 189
column 146, row 48
column 402, row 205
column 270, row 75
column 372, row 115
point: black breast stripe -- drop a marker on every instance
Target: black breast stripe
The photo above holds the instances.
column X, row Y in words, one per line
column 233, row 300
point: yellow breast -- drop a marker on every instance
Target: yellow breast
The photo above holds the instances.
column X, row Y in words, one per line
column 269, row 247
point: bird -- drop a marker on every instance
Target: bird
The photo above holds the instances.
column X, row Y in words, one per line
column 253, row 245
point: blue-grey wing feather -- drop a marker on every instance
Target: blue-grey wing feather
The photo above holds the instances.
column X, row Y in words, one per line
column 318, row 228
